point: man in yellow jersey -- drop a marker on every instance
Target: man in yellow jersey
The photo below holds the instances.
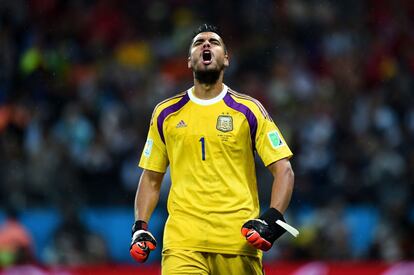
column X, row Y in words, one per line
column 208, row 135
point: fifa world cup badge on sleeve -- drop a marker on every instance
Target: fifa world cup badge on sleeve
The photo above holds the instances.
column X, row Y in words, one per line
column 275, row 139
column 148, row 147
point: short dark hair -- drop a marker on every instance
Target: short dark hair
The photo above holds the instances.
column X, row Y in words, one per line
column 206, row 27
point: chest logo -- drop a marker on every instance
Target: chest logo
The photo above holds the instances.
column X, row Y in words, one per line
column 181, row 124
column 224, row 123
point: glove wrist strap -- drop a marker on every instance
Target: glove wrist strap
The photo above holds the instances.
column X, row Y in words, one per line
column 271, row 215
column 139, row 225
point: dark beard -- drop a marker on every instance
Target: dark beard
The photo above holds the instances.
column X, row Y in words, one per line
column 207, row 77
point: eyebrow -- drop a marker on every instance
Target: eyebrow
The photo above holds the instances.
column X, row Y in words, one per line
column 210, row 39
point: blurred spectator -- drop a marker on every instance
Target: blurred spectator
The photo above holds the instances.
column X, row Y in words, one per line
column 73, row 244
column 16, row 246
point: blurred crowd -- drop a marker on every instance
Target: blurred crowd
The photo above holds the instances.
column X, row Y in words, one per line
column 79, row 80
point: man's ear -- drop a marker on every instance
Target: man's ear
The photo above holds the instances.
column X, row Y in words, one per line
column 189, row 62
column 226, row 60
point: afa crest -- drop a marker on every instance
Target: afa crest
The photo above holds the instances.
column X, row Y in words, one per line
column 224, row 123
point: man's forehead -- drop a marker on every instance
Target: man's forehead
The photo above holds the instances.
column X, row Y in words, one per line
column 207, row 35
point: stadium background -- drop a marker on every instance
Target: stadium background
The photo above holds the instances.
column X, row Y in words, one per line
column 79, row 80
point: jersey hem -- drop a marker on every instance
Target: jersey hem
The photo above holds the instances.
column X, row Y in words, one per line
column 152, row 168
column 288, row 156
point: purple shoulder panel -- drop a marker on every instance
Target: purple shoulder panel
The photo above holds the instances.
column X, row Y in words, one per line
column 169, row 110
column 251, row 118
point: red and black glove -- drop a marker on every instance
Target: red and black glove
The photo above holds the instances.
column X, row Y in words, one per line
column 143, row 242
column 264, row 231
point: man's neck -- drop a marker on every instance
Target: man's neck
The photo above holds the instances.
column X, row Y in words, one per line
column 207, row 91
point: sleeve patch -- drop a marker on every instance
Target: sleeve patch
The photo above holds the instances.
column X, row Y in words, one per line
column 148, row 147
column 275, row 139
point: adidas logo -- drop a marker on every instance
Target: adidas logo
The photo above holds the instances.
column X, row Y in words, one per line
column 181, row 124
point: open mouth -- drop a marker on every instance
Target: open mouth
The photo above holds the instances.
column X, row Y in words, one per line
column 207, row 57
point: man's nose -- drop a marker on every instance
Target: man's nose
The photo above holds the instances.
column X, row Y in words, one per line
column 206, row 45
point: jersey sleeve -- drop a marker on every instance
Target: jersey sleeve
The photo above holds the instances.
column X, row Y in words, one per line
column 154, row 156
column 270, row 144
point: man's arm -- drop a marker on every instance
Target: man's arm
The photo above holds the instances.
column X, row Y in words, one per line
column 148, row 193
column 146, row 199
column 283, row 182
column 263, row 231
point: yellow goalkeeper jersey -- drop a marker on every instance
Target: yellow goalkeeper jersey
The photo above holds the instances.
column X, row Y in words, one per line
column 210, row 146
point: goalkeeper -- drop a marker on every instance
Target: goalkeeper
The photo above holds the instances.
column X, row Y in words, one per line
column 208, row 136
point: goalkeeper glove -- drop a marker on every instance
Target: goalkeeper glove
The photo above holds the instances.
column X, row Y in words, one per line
column 264, row 231
column 142, row 242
